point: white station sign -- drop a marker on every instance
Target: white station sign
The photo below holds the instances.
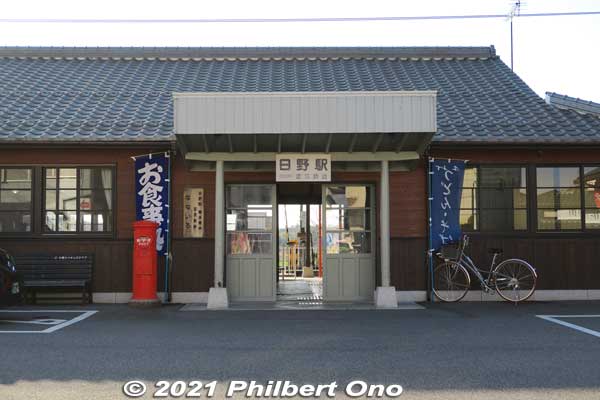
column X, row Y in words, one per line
column 303, row 167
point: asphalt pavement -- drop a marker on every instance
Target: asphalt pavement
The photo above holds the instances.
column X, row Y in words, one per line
column 445, row 351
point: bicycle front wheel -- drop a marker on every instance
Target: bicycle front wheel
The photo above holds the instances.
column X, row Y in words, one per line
column 515, row 280
column 451, row 281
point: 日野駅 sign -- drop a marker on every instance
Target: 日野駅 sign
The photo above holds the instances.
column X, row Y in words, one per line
column 303, row 167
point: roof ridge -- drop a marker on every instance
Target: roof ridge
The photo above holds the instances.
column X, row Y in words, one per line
column 247, row 52
column 573, row 103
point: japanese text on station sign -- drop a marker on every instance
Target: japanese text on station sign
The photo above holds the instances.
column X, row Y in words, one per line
column 303, row 168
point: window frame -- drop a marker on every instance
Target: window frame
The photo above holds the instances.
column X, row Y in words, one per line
column 582, row 208
column 272, row 232
column 477, row 198
column 532, row 203
column 32, row 208
column 38, row 185
column 370, row 212
column 77, row 190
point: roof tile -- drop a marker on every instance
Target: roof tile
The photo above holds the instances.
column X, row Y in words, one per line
column 126, row 94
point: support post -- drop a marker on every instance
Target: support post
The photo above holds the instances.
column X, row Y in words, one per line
column 385, row 295
column 320, row 243
column 217, row 295
column 308, row 241
column 384, row 212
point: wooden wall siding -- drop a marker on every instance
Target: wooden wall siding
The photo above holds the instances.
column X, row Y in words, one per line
column 112, row 258
column 562, row 263
column 193, row 265
column 183, row 178
column 408, row 205
column 568, row 261
column 407, row 264
column 192, row 261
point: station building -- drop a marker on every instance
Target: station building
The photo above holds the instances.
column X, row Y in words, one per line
column 337, row 139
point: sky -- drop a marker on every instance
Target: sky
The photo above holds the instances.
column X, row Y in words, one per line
column 558, row 54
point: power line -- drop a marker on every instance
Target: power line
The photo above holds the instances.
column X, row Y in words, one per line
column 278, row 20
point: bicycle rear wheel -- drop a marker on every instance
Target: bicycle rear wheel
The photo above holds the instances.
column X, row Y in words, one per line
column 515, row 280
column 451, row 281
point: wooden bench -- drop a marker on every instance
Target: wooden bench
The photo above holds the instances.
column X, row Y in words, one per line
column 54, row 272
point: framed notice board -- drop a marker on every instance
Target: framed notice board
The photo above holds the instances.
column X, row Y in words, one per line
column 193, row 213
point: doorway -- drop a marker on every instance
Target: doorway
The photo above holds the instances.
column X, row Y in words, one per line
column 300, row 242
column 300, row 265
column 299, row 261
column 250, row 223
column 326, row 242
column 349, row 245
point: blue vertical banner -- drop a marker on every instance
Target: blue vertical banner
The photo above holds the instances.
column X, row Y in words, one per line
column 152, row 195
column 446, row 180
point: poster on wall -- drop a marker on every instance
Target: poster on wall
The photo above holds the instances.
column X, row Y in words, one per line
column 152, row 194
column 446, row 180
column 193, row 213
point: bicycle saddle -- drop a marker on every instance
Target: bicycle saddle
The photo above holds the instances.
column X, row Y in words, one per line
column 495, row 250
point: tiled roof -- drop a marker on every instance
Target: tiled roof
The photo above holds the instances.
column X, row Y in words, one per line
column 573, row 103
column 112, row 94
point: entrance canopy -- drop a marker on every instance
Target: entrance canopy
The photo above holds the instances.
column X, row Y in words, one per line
column 254, row 127
column 384, row 130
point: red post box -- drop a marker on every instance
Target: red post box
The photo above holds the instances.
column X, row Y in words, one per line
column 144, row 263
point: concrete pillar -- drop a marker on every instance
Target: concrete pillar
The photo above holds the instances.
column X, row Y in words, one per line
column 219, row 224
column 217, row 295
column 384, row 223
column 385, row 295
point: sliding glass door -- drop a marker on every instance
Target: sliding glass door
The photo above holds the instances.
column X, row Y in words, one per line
column 250, row 242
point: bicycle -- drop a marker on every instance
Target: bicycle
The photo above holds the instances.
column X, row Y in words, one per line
column 513, row 279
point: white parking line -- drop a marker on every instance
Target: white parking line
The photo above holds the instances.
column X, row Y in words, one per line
column 556, row 320
column 46, row 321
column 59, row 323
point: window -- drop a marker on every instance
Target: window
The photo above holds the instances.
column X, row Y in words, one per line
column 558, row 198
column 494, row 199
column 562, row 194
column 249, row 219
column 591, row 188
column 468, row 202
column 77, row 199
column 348, row 219
column 15, row 199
